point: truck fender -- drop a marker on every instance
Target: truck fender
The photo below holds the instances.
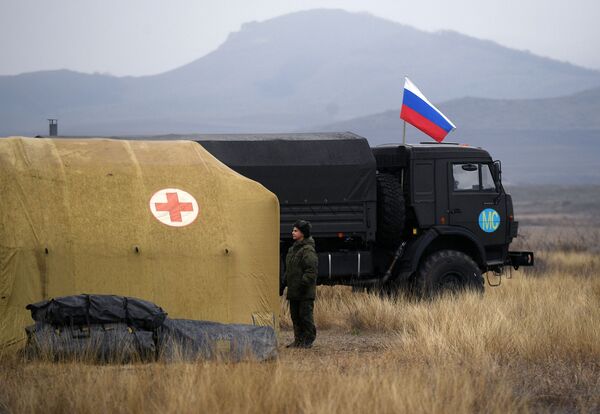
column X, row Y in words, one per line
column 417, row 247
column 479, row 257
column 414, row 251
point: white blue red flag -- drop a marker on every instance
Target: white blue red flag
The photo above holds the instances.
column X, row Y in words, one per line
column 422, row 114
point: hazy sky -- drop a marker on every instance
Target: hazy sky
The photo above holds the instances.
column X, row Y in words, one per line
column 141, row 37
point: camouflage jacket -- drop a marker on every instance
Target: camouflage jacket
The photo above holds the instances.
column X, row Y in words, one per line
column 301, row 270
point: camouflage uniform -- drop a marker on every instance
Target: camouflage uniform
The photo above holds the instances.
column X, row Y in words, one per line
column 301, row 280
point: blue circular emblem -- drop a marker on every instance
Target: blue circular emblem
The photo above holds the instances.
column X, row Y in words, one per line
column 489, row 220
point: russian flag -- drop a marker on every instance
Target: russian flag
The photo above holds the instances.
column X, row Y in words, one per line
column 422, row 114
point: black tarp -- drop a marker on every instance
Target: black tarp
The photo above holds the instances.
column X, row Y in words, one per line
column 175, row 340
column 111, row 328
column 189, row 340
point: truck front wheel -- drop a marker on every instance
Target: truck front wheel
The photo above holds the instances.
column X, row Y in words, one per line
column 448, row 271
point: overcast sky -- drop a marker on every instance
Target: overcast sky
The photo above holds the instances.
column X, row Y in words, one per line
column 142, row 37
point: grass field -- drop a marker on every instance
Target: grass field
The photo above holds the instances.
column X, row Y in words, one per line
column 530, row 345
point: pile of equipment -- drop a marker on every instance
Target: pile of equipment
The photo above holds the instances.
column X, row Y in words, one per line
column 119, row 329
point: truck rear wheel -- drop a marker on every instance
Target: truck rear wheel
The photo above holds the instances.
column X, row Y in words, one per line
column 448, row 271
column 391, row 210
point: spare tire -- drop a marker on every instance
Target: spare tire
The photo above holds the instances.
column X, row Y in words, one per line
column 391, row 210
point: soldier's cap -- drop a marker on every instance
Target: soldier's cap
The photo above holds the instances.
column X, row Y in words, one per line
column 304, row 227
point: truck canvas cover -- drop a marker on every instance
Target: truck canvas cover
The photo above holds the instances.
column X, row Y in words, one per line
column 108, row 216
column 290, row 164
column 327, row 178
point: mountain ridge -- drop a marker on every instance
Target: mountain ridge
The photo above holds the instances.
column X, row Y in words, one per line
column 573, row 111
column 540, row 141
column 304, row 68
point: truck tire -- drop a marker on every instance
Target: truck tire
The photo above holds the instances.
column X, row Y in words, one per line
column 448, row 271
column 391, row 210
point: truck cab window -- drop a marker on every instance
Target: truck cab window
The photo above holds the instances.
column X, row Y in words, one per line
column 473, row 177
column 487, row 180
column 466, row 177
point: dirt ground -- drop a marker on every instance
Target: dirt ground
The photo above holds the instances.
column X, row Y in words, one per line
column 330, row 343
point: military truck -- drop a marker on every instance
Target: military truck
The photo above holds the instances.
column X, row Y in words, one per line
column 427, row 218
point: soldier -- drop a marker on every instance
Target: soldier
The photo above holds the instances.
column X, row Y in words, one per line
column 301, row 280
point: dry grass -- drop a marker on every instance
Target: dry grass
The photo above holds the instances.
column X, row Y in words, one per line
column 274, row 387
column 532, row 344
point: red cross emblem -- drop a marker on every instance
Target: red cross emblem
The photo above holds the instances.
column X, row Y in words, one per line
column 174, row 207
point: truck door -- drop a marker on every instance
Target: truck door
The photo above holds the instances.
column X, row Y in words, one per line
column 476, row 201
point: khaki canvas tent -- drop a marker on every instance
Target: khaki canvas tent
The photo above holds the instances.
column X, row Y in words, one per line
column 162, row 221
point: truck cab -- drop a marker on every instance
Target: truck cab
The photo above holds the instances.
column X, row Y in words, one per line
column 456, row 191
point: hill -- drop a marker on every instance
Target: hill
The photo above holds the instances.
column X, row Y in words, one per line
column 306, row 68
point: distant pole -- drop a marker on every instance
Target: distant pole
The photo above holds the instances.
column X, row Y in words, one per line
column 404, row 134
column 53, row 125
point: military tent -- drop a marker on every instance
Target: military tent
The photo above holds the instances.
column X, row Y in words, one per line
column 162, row 221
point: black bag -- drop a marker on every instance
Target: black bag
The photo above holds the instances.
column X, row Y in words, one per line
column 98, row 309
column 116, row 343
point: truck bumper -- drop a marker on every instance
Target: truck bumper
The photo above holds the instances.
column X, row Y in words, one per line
column 518, row 259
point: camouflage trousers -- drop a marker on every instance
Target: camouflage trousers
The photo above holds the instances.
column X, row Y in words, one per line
column 301, row 311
